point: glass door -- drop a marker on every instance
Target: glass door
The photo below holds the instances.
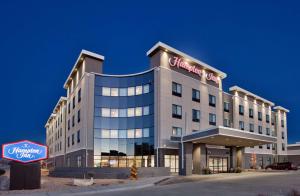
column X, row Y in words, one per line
column 218, row 164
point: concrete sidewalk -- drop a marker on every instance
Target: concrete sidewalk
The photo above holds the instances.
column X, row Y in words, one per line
column 132, row 185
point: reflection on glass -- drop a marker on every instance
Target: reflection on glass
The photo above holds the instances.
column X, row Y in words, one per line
column 114, row 92
column 130, row 112
column 114, row 112
column 130, row 91
column 138, row 111
column 138, row 133
column 105, row 133
column 130, row 133
column 123, row 91
column 146, row 88
column 105, row 112
column 105, row 91
column 113, row 133
column 138, row 90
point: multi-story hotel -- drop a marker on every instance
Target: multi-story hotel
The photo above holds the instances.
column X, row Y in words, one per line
column 174, row 115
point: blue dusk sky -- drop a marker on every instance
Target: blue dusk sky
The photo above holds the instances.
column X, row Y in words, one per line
column 257, row 43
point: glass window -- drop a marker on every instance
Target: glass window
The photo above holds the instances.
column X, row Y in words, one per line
column 282, row 123
column 196, row 95
column 79, row 95
column 146, row 88
column 212, row 100
column 105, row 112
column 251, row 127
column 114, row 113
column 138, row 133
column 241, row 125
column 146, row 110
column 267, row 118
column 122, row 112
column 196, row 115
column 130, row 112
column 268, row 131
column 282, row 135
column 113, row 133
column 138, row 111
column 105, row 133
column 122, row 133
column 78, row 136
column 283, row 147
column 226, row 123
column 259, row 116
column 105, row 91
column 114, row 92
column 176, row 111
column 260, row 129
column 123, row 92
column 212, row 119
column 176, row 89
column 176, row 131
column 241, row 109
column 251, row 114
column 146, row 132
column 226, row 107
column 130, row 133
column 130, row 91
column 138, row 90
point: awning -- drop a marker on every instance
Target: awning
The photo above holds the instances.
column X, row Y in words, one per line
column 225, row 136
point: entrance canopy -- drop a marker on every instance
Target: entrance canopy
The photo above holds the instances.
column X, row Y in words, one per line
column 225, row 136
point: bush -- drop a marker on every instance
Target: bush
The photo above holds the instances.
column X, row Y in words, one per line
column 206, row 171
column 2, row 172
column 238, row 170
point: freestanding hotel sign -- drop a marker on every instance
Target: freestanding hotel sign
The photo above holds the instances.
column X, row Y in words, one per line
column 24, row 151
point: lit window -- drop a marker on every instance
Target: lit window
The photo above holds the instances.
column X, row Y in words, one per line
column 113, row 133
column 105, row 133
column 138, row 111
column 105, row 112
column 146, row 132
column 176, row 111
column 226, row 107
column 130, row 112
column 130, row 91
column 130, row 133
column 146, row 110
column 146, row 88
column 123, row 92
column 196, row 95
column 212, row 119
column 122, row 133
column 196, row 115
column 114, row 112
column 176, row 89
column 138, row 133
column 114, row 92
column 105, row 91
column 212, row 100
column 176, row 131
column 241, row 109
column 138, row 90
column 122, row 112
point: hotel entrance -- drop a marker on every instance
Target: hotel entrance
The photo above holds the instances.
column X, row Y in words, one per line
column 218, row 164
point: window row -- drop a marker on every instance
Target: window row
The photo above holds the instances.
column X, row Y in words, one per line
column 251, row 114
column 74, row 101
column 251, row 128
column 123, row 133
column 129, row 91
column 73, row 139
column 73, row 120
column 127, row 112
column 124, row 161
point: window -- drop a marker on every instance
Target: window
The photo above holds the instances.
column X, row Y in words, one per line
column 212, row 119
column 130, row 91
column 114, row 113
column 241, row 125
column 146, row 132
column 260, row 146
column 251, row 127
column 260, row 129
column 79, row 164
column 267, row 118
column 226, row 123
column 226, row 107
column 146, row 110
column 268, row 131
column 196, row 115
column 130, row 112
column 123, row 92
column 78, row 116
column 138, row 133
column 272, row 121
column 282, row 135
column 138, row 111
column 176, row 89
column 283, row 146
column 69, row 125
column 122, row 112
column 79, row 95
column 176, row 131
column 69, row 108
column 105, row 112
column 68, row 141
column 130, row 133
column 78, row 136
column 122, row 133
column 138, row 90
column 113, row 133
column 73, row 121
column 105, row 133
column 212, row 101
column 259, row 116
column 241, row 109
column 176, row 111
column 274, row 146
column 196, row 95
column 282, row 123
column 74, row 102
column 114, row 92
column 73, row 139
column 251, row 113
column 105, row 91
column 146, row 88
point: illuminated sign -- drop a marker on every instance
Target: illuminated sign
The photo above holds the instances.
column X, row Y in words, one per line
column 180, row 63
column 24, row 151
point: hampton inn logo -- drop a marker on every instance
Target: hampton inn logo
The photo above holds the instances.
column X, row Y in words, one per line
column 180, row 63
column 24, row 151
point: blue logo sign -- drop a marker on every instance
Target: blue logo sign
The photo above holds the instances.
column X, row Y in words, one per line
column 24, row 151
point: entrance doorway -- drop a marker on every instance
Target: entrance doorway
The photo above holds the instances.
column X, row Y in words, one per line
column 218, row 164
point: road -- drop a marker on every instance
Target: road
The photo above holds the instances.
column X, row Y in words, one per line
column 254, row 184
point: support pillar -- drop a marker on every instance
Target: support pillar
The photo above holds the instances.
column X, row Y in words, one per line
column 236, row 157
column 185, row 158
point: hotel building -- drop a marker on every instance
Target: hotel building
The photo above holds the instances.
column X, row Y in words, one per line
column 173, row 115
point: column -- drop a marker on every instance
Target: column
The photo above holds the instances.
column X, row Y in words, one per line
column 185, row 158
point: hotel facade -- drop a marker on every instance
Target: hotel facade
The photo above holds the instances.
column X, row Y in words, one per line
column 174, row 115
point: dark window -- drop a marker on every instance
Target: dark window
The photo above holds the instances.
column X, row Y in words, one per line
column 212, row 101
column 226, row 107
column 267, row 118
column 272, row 121
column 212, row 119
column 260, row 129
column 259, row 116
column 260, row 147
column 283, row 147
column 241, row 125
column 73, row 102
column 282, row 123
column 69, row 108
column 274, row 146
column 251, row 127
column 68, row 141
column 268, row 131
column 79, row 95
column 176, row 89
column 73, row 139
column 226, row 123
column 78, row 136
column 176, row 111
column 196, row 115
column 282, row 135
column 69, row 124
column 73, row 121
column 196, row 95
column 241, row 109
column 251, row 113
column 268, row 146
column 78, row 116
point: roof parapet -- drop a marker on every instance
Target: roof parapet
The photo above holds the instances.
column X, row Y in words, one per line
column 281, row 108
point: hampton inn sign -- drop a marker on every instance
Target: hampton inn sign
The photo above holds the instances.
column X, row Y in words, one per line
column 180, row 63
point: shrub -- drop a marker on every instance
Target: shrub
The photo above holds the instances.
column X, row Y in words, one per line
column 206, row 171
column 238, row 170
